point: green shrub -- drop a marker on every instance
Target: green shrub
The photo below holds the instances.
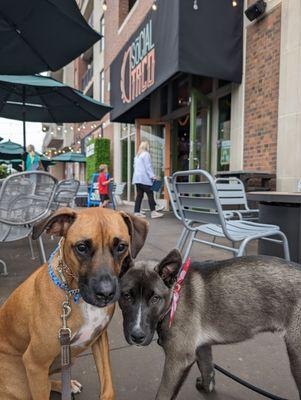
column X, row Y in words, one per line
column 3, row 171
column 102, row 155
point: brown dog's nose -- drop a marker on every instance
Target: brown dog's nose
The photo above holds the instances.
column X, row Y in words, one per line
column 105, row 291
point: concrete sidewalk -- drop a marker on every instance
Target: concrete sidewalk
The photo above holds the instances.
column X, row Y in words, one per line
column 137, row 371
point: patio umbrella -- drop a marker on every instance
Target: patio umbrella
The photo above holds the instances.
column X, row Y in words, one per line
column 12, row 153
column 10, row 150
column 41, row 35
column 70, row 157
column 38, row 98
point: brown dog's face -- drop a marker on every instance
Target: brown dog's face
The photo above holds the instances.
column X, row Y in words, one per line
column 98, row 242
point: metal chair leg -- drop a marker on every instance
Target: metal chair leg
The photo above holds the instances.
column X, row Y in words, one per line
column 182, row 238
column 185, row 239
column 189, row 247
column 33, row 257
column 286, row 249
column 242, row 247
column 42, row 251
column 4, row 273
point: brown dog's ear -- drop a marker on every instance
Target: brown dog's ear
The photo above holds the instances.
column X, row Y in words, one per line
column 56, row 224
column 169, row 267
column 126, row 265
column 138, row 229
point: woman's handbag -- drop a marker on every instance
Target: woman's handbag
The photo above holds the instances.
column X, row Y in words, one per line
column 157, row 186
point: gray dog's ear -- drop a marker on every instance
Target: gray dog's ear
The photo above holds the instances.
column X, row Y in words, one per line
column 56, row 224
column 169, row 267
column 138, row 229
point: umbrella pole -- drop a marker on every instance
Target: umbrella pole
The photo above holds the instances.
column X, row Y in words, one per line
column 24, row 123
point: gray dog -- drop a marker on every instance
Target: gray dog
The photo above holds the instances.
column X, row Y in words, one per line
column 220, row 302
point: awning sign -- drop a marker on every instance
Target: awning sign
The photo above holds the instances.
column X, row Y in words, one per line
column 176, row 38
column 138, row 65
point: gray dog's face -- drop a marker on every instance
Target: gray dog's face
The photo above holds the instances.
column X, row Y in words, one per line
column 146, row 291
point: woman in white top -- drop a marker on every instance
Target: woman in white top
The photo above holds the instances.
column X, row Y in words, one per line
column 143, row 178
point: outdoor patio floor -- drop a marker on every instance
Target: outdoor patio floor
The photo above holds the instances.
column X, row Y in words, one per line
column 136, row 371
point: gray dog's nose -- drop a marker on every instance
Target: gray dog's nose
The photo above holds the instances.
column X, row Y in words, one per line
column 138, row 336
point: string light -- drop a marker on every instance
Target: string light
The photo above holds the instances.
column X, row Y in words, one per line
column 104, row 5
column 195, row 5
column 154, row 6
column 234, row 3
column 78, row 129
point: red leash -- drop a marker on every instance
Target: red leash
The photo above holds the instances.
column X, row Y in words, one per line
column 177, row 290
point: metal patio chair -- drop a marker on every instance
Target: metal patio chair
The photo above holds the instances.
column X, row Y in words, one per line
column 25, row 198
column 199, row 203
column 65, row 193
column 185, row 232
column 233, row 199
column 81, row 195
column 117, row 193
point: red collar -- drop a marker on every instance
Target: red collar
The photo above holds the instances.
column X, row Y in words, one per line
column 177, row 290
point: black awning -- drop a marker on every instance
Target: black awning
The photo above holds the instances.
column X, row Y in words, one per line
column 177, row 38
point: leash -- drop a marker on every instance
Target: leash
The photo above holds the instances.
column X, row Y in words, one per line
column 247, row 384
column 177, row 290
column 64, row 333
column 65, row 340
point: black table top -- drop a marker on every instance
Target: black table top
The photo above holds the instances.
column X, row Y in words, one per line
column 275, row 197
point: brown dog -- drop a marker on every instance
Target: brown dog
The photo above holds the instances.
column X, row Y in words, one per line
column 97, row 242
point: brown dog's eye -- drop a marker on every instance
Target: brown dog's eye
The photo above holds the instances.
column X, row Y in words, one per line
column 82, row 248
column 121, row 247
column 155, row 299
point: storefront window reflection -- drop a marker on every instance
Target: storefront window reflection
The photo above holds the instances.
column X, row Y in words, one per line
column 155, row 136
column 128, row 137
column 224, row 133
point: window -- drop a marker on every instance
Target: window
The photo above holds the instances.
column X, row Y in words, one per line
column 125, row 6
column 102, row 86
column 102, row 32
column 131, row 4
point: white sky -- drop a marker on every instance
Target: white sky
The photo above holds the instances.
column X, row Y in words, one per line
column 13, row 130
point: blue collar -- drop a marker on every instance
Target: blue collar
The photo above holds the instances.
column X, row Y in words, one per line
column 72, row 292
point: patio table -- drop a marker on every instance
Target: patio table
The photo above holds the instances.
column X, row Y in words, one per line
column 282, row 209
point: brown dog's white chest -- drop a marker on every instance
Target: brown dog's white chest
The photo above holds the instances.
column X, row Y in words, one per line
column 95, row 319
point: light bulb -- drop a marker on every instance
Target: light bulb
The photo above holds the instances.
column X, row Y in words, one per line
column 195, row 5
column 234, row 3
column 104, row 5
column 154, row 6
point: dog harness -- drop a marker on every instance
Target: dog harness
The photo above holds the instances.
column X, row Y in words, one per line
column 177, row 290
column 61, row 283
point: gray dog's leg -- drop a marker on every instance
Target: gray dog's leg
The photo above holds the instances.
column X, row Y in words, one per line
column 175, row 371
column 293, row 346
column 206, row 381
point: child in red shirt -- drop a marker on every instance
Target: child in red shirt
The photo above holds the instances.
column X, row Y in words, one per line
column 103, row 185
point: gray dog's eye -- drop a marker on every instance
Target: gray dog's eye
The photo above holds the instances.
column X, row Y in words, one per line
column 155, row 299
column 126, row 296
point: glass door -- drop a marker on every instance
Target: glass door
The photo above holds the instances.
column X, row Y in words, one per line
column 157, row 133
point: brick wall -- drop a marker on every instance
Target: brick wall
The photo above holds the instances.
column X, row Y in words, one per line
column 116, row 36
column 261, row 92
